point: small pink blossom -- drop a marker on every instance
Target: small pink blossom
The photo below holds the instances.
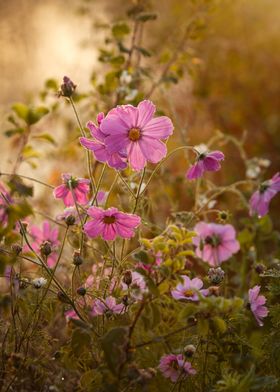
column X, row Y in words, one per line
column 173, row 366
column 97, row 145
column 215, row 243
column 206, row 161
column 111, row 223
column 257, row 302
column 72, row 190
column 135, row 131
column 189, row 289
column 40, row 235
column 151, row 267
column 69, row 211
column 71, row 315
column 109, row 305
column 98, row 273
column 260, row 200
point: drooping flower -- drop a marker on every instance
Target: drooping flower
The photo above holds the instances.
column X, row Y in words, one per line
column 135, row 131
column 173, row 366
column 259, row 202
column 69, row 215
column 206, row 161
column 188, row 289
column 72, row 190
column 97, row 145
column 256, row 303
column 42, row 235
column 137, row 287
column 109, row 305
column 111, row 223
column 215, row 243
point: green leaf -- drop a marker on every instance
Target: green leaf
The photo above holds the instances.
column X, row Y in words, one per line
column 117, row 60
column 29, row 152
column 144, row 17
column 52, row 84
column 21, row 110
column 36, row 114
column 143, row 257
column 143, row 51
column 114, row 345
column 45, row 137
column 120, row 30
column 14, row 131
column 17, row 185
column 81, row 340
column 219, row 324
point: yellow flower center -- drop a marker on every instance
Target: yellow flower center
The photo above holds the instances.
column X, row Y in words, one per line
column 134, row 134
column 109, row 219
column 189, row 293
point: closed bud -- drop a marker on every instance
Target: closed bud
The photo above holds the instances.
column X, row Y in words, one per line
column 189, row 350
column 260, row 268
column 216, row 275
column 63, row 298
column 70, row 220
column 125, row 300
column 81, row 291
column 46, row 248
column 23, row 283
column 214, row 290
column 127, row 278
column 16, row 248
column 77, row 258
column 67, row 88
column 192, row 320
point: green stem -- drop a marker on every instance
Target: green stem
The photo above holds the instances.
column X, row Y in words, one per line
column 27, row 178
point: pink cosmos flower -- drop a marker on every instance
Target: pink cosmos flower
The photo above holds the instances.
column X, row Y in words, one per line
column 135, row 131
column 99, row 149
column 71, row 188
column 98, row 272
column 137, row 286
column 206, row 161
column 259, row 202
column 70, row 315
column 173, row 366
column 215, row 243
column 111, row 223
column 257, row 302
column 41, row 235
column 188, row 289
column 109, row 305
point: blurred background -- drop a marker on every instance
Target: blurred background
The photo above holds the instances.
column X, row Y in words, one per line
column 230, row 81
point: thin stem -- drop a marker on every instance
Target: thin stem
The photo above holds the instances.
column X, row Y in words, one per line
column 165, row 159
column 91, row 176
column 27, row 178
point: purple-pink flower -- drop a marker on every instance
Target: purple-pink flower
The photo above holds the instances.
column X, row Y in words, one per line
column 133, row 130
column 260, row 200
column 73, row 190
column 99, row 149
column 40, row 235
column 111, row 223
column 137, row 286
column 257, row 302
column 189, row 289
column 174, row 366
column 206, row 161
column 215, row 243
column 109, row 305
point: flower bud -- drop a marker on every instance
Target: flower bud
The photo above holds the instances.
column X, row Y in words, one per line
column 125, row 300
column 16, row 248
column 63, row 298
column 127, row 278
column 46, row 248
column 77, row 258
column 81, row 291
column 70, row 220
column 23, row 283
column 214, row 290
column 260, row 268
column 67, row 88
column 39, row 282
column 192, row 320
column 189, row 350
column 216, row 275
